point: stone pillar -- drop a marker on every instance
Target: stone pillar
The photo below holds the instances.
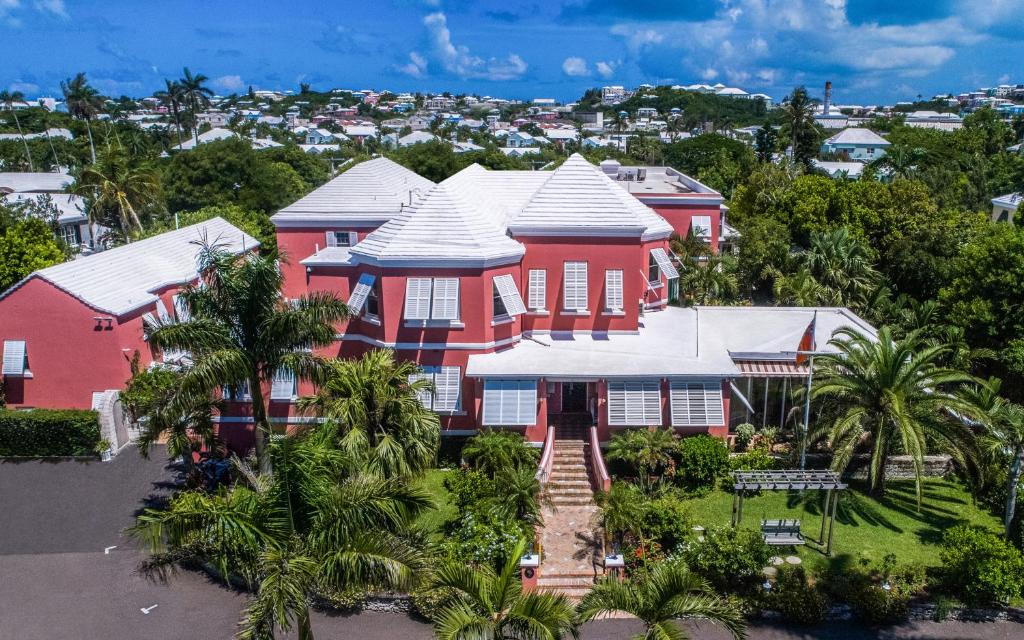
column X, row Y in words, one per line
column 529, row 571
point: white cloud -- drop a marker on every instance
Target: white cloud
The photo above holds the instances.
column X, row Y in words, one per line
column 709, row 74
column 7, row 9
column 56, row 7
column 576, row 67
column 638, row 37
column 416, row 67
column 457, row 59
column 229, row 84
column 605, row 69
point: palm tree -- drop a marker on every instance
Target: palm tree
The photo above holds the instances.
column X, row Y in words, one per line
column 646, row 450
column 83, row 102
column 196, row 95
column 890, row 394
column 375, row 401
column 712, row 281
column 309, row 528
column 8, row 98
column 242, row 332
column 520, row 496
column 1002, row 440
column 492, row 605
column 492, row 451
column 172, row 97
column 900, row 160
column 116, row 185
column 798, row 113
column 669, row 592
column 841, row 263
column 621, row 512
column 799, row 289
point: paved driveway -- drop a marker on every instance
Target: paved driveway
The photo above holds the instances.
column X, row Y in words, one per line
column 57, row 581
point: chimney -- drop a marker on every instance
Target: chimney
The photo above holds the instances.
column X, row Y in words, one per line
column 828, row 97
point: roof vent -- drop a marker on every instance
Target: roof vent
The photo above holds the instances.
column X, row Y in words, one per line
column 610, row 167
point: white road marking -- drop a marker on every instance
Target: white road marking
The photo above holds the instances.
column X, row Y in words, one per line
column 146, row 610
column 106, row 550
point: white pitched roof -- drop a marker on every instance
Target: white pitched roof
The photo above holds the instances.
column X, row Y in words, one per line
column 122, row 279
column 416, row 137
column 370, row 192
column 36, row 182
column 858, row 135
column 216, row 133
column 579, row 197
column 70, row 208
column 1010, row 200
column 444, row 228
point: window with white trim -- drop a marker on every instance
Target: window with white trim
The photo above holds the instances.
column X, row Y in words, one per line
column 373, row 302
column 236, row 392
column 15, row 361
column 341, row 238
column 360, row 292
column 432, row 299
column 701, row 227
column 664, row 264
column 696, row 403
column 510, row 402
column 444, row 395
column 507, row 301
column 574, row 296
column 634, row 403
column 284, row 386
column 653, row 272
column 537, row 293
column 613, row 289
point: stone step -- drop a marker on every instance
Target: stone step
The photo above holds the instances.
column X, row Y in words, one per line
column 565, row 581
column 583, row 490
column 559, row 484
column 572, row 501
column 578, row 475
column 567, row 466
column 574, row 593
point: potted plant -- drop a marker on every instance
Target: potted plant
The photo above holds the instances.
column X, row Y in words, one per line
column 103, row 448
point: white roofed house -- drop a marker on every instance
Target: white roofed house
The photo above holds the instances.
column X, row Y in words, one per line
column 1004, row 208
column 857, row 143
column 358, row 133
column 45, row 194
column 320, row 136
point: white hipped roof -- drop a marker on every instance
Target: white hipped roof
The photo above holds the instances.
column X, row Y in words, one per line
column 858, row 135
column 120, row 280
column 699, row 341
column 216, row 133
column 1010, row 200
column 38, row 182
column 371, row 192
column 70, row 208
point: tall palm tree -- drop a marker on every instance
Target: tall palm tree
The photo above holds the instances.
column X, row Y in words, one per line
column 891, row 394
column 900, row 160
column 310, row 527
column 114, row 184
column 196, row 95
column 798, row 114
column 711, row 281
column 492, row 605
column 841, row 263
column 171, row 97
column 669, row 592
column 83, row 102
column 241, row 331
column 375, row 401
column 8, row 98
column 520, row 496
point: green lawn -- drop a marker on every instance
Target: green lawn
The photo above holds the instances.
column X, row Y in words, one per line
column 865, row 527
column 433, row 483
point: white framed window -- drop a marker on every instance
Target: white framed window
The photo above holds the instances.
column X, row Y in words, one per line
column 510, row 402
column 71, row 234
column 360, row 293
column 574, row 297
column 417, row 298
column 507, row 301
column 373, row 302
column 15, row 361
column 236, row 392
column 341, row 238
column 284, row 385
column 634, row 403
column 665, row 265
column 701, row 226
column 613, row 289
column 537, row 293
column 445, row 304
column 696, row 403
column 446, row 394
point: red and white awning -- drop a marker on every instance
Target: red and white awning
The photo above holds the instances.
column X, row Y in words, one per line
column 771, row 369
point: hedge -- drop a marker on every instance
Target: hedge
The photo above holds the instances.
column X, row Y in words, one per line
column 46, row 432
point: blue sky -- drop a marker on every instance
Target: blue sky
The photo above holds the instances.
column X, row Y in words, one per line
column 872, row 50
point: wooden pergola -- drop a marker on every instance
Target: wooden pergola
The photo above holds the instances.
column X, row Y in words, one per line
column 786, row 480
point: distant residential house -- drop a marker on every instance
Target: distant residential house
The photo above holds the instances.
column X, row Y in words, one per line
column 360, row 132
column 1004, row 208
column 416, row 137
column 466, row 147
column 560, row 136
column 395, row 123
column 53, row 132
column 646, row 113
column 857, row 144
column 519, row 152
column 213, row 118
column 934, row 120
column 519, row 139
column 320, row 136
column 207, row 136
column 850, row 170
column 47, row 190
column 418, row 122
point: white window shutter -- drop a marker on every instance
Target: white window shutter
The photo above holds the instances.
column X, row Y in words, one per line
column 666, row 266
column 426, row 394
column 634, row 403
column 446, row 299
column 353, row 238
column 181, row 309
column 526, row 411
column 509, row 293
column 448, row 383
column 332, row 240
column 510, row 402
column 14, row 358
column 417, row 299
column 283, row 385
column 150, row 320
column 162, row 313
column 613, row 289
column 538, row 289
column 575, row 290
column 696, row 403
column 360, row 293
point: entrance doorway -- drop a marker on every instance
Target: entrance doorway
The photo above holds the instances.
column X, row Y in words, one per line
column 574, row 397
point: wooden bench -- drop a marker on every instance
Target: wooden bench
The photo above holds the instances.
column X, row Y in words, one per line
column 781, row 533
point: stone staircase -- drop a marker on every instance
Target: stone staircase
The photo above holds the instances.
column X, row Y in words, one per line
column 569, row 564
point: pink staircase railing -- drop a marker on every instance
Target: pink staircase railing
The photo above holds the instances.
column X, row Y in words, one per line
column 547, row 457
column 601, row 477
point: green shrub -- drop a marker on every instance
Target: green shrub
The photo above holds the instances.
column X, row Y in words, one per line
column 753, row 460
column 666, row 519
column 980, row 566
column 46, row 432
column 702, row 459
column 494, row 451
column 731, row 559
column 744, row 434
column 796, row 599
column 878, row 595
column 428, row 602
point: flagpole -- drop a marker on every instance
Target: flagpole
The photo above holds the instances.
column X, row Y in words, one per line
column 807, row 398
